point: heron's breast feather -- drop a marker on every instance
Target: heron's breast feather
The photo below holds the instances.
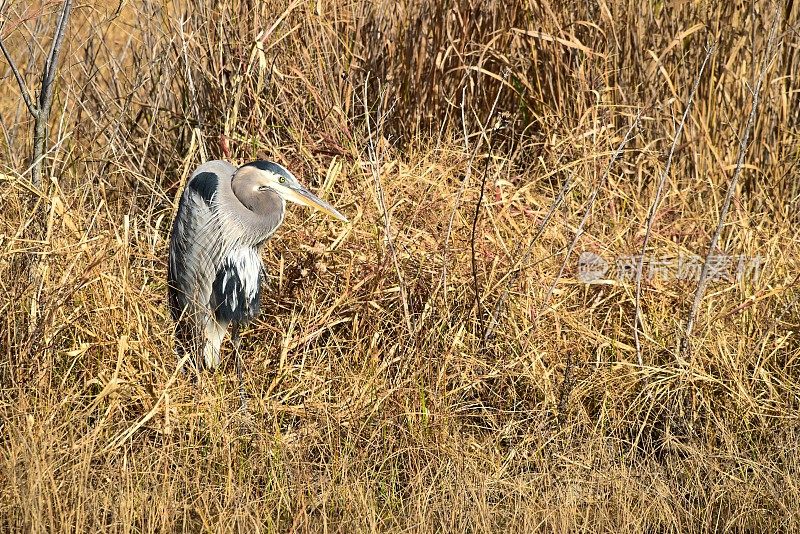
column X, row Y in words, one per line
column 234, row 294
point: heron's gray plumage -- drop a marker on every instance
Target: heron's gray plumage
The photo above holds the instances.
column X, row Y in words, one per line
column 225, row 215
column 214, row 265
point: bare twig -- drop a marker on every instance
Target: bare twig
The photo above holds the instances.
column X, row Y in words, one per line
column 467, row 176
column 489, row 142
column 190, row 80
column 473, row 261
column 375, row 166
column 46, row 96
column 654, row 207
column 703, row 282
column 41, row 110
column 566, row 385
column 461, row 189
column 26, row 96
column 514, row 275
column 51, row 64
column 590, row 204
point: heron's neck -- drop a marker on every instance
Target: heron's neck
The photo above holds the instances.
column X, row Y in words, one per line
column 250, row 227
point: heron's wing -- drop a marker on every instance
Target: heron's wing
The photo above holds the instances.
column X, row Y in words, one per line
column 198, row 243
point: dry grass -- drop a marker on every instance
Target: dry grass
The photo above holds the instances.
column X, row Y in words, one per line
column 385, row 395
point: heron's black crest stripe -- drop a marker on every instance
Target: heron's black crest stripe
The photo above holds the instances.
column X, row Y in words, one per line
column 270, row 166
column 205, row 184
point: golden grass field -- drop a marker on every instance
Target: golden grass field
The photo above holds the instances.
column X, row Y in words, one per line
column 435, row 365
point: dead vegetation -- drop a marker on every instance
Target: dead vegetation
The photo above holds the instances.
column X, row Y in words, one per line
column 425, row 368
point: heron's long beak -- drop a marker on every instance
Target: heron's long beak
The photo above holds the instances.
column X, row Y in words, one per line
column 301, row 195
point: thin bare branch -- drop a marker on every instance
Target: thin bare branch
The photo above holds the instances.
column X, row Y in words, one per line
column 589, row 206
column 703, row 282
column 514, row 275
column 46, row 96
column 467, row 176
column 376, row 174
column 654, row 207
column 51, row 65
column 26, row 96
column 490, row 142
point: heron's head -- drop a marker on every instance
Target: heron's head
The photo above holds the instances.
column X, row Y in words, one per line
column 266, row 177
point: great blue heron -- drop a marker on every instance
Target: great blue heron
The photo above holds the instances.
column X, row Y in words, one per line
column 224, row 217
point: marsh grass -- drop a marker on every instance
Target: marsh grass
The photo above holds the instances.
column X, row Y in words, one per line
column 384, row 396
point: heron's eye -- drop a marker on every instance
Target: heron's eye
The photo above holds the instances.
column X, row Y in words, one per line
column 282, row 180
